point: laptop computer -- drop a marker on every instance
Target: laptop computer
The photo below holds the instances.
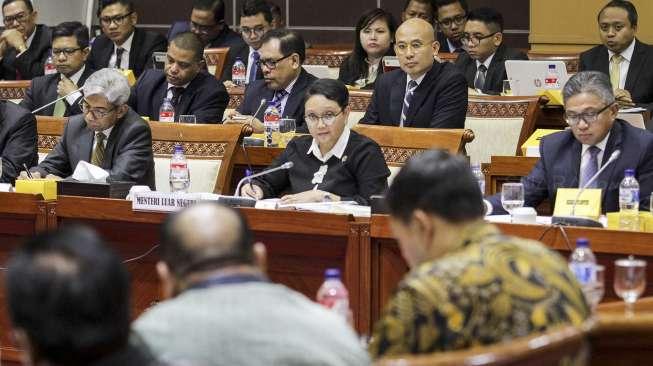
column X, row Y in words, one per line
column 527, row 77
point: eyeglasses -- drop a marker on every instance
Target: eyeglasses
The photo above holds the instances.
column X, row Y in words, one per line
column 573, row 119
column 447, row 22
column 118, row 19
column 259, row 31
column 328, row 118
column 97, row 113
column 474, row 39
column 403, row 47
column 201, row 28
column 65, row 51
column 271, row 64
column 20, row 18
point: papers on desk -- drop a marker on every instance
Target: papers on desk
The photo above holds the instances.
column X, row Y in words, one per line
column 632, row 110
column 343, row 207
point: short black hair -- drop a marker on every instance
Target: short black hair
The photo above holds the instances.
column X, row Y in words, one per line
column 28, row 4
column 625, row 5
column 438, row 183
column 331, row 89
column 429, row 2
column 251, row 8
column 215, row 6
column 72, row 29
column 441, row 3
column 489, row 16
column 191, row 42
column 104, row 3
column 70, row 294
column 291, row 42
column 183, row 259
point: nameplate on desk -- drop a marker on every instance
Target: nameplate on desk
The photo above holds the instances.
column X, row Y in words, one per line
column 164, row 201
column 587, row 205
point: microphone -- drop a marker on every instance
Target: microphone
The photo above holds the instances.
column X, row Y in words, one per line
column 56, row 100
column 286, row 165
column 572, row 220
column 260, row 105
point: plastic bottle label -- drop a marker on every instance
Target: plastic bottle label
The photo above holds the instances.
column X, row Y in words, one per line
column 584, row 272
column 166, row 116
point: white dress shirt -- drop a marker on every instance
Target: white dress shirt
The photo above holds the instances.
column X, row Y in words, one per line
column 626, row 56
column 71, row 99
column 284, row 100
column 124, row 61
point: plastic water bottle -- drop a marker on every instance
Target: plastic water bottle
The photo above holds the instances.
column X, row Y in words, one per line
column 179, row 173
column 271, row 120
column 166, row 111
column 480, row 178
column 334, row 295
column 239, row 72
column 629, row 202
column 552, row 78
column 582, row 262
column 49, row 67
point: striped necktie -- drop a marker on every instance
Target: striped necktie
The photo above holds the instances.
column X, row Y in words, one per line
column 278, row 97
column 591, row 167
column 97, row 158
column 412, row 85
column 615, row 70
column 479, row 83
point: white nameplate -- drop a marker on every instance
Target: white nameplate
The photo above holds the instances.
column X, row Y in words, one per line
column 166, row 202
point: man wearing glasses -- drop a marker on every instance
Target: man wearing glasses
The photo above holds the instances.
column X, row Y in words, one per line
column 255, row 21
column 107, row 134
column 450, row 16
column 569, row 158
column 122, row 45
column 484, row 63
column 207, row 22
column 284, row 81
column 69, row 52
column 24, row 45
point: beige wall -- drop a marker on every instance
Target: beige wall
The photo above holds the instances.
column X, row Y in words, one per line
column 570, row 25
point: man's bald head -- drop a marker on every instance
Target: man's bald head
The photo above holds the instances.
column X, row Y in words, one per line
column 415, row 47
column 206, row 236
column 417, row 27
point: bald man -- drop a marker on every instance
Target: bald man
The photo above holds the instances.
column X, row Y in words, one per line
column 423, row 93
column 222, row 310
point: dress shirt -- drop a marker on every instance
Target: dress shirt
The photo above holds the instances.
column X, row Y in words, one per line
column 626, row 56
column 585, row 156
column 487, row 63
column 169, row 90
column 71, row 99
column 337, row 150
column 418, row 81
column 285, row 98
column 124, row 61
column 250, row 63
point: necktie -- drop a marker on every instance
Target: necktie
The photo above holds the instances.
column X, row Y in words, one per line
column 278, row 97
column 119, row 52
column 59, row 109
column 479, row 83
column 591, row 167
column 412, row 85
column 252, row 70
column 615, row 70
column 176, row 95
column 98, row 152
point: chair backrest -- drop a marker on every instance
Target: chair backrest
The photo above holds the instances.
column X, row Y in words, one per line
column 563, row 345
column 332, row 57
column 209, row 150
column 215, row 59
column 448, row 56
column 13, row 90
column 571, row 60
column 49, row 131
column 500, row 124
column 358, row 102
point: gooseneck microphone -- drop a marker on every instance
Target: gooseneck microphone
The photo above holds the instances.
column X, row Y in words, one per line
column 286, row 165
column 56, row 100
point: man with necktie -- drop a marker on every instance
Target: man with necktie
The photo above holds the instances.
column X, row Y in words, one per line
column 450, row 17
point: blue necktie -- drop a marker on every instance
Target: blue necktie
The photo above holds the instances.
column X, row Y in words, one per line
column 412, row 85
column 591, row 167
column 278, row 97
column 254, row 68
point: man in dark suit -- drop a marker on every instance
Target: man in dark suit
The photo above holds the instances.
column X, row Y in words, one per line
column 108, row 134
column 484, row 63
column 207, row 22
column 423, row 9
column 284, row 84
column 622, row 56
column 255, row 21
column 182, row 81
column 450, row 16
column 24, row 45
column 122, row 45
column 568, row 159
column 423, row 93
column 17, row 140
column 70, row 50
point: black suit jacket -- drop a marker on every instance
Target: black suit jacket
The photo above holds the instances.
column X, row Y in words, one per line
column 205, row 97
column 31, row 63
column 294, row 105
column 43, row 90
column 17, row 140
column 241, row 51
column 639, row 80
column 128, row 154
column 144, row 44
column 227, row 38
column 559, row 166
column 440, row 100
column 495, row 74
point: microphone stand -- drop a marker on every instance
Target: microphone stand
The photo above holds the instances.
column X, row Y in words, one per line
column 56, row 100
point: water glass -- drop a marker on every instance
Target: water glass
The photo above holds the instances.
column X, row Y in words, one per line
column 187, row 118
column 512, row 197
column 629, row 280
column 287, row 127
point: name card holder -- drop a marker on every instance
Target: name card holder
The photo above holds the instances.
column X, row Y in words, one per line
column 171, row 202
column 588, row 204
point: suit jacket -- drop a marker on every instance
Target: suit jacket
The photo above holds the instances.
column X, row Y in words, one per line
column 444, row 45
column 227, row 38
column 31, row 63
column 440, row 100
column 43, row 90
column 17, row 140
column 241, row 51
column 639, row 80
column 144, row 44
column 128, row 154
column 495, row 74
column 294, row 105
column 205, row 97
column 559, row 166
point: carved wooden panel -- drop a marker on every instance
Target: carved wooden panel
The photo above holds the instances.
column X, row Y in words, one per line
column 12, row 93
column 331, row 58
column 47, row 142
column 497, row 109
column 359, row 103
column 191, row 149
column 235, row 100
column 398, row 155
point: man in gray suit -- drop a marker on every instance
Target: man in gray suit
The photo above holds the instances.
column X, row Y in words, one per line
column 108, row 134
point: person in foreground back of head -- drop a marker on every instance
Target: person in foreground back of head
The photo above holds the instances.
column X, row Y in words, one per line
column 222, row 310
column 69, row 302
column 469, row 284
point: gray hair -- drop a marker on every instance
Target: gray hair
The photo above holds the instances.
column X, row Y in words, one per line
column 110, row 83
column 594, row 82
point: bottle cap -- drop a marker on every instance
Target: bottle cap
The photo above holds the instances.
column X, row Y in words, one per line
column 552, row 66
column 582, row 243
column 179, row 148
column 630, row 172
column 332, row 273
